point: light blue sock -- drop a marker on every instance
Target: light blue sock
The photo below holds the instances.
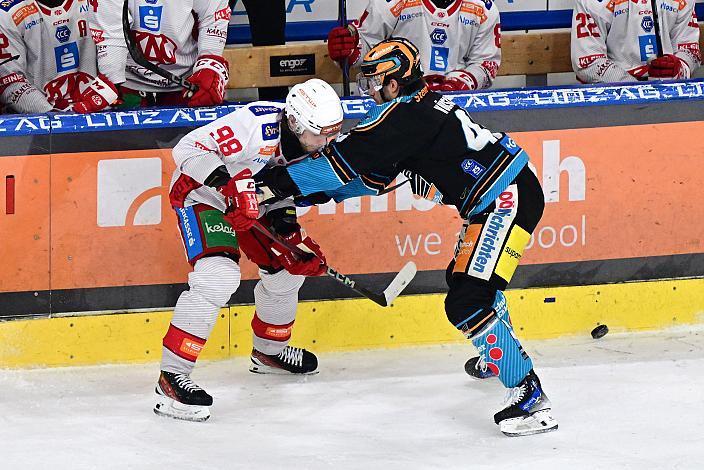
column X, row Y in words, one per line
column 501, row 350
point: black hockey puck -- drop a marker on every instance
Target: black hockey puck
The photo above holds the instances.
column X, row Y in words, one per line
column 600, row 331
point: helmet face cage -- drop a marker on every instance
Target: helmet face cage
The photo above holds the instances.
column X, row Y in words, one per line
column 369, row 85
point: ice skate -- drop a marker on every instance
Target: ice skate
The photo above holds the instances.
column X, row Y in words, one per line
column 476, row 367
column 528, row 410
column 289, row 361
column 179, row 397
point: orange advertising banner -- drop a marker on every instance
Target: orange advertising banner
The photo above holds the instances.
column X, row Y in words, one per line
column 100, row 219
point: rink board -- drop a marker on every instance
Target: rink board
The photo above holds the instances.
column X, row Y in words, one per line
column 87, row 224
column 355, row 324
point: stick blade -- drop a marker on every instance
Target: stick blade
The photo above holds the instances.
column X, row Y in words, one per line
column 400, row 282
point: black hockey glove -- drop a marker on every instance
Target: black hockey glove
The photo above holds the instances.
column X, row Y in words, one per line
column 283, row 220
column 313, row 199
column 278, row 181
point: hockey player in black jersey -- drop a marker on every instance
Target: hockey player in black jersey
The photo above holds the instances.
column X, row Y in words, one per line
column 450, row 159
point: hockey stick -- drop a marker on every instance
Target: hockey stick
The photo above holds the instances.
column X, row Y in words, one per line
column 10, row 59
column 399, row 282
column 140, row 60
column 656, row 25
column 345, row 63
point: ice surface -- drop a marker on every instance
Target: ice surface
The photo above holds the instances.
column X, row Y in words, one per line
column 627, row 401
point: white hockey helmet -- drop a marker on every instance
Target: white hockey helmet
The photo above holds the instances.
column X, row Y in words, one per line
column 315, row 106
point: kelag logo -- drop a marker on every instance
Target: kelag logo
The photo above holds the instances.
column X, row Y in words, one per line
column 150, row 18
column 67, row 57
column 129, row 192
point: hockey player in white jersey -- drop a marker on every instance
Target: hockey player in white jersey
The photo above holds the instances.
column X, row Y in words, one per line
column 615, row 40
column 216, row 201
column 459, row 40
column 47, row 57
column 186, row 38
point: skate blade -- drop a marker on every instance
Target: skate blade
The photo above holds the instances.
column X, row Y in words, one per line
column 537, row 423
column 170, row 408
column 263, row 369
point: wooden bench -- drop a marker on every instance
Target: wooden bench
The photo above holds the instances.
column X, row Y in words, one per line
column 522, row 54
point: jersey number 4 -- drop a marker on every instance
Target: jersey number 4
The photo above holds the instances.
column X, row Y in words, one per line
column 586, row 26
column 225, row 138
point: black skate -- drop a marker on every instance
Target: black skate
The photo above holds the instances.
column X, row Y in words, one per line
column 476, row 367
column 528, row 410
column 289, row 361
column 179, row 397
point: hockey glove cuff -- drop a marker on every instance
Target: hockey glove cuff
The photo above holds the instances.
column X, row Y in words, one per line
column 241, row 200
column 210, row 74
column 434, row 81
column 459, row 80
column 312, row 263
column 100, row 94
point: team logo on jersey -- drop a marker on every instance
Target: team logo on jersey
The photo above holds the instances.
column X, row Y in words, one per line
column 472, row 168
column 66, row 88
column 270, row 131
column 150, row 18
column 647, row 24
column 648, row 47
column 438, row 36
column 63, row 34
column 438, row 58
column 157, row 48
column 67, row 57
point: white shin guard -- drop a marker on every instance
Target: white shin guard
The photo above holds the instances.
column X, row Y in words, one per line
column 213, row 280
column 276, row 301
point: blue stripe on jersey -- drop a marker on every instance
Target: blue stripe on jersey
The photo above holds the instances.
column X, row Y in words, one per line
column 501, row 183
column 189, row 229
column 313, row 175
column 352, row 189
column 379, row 111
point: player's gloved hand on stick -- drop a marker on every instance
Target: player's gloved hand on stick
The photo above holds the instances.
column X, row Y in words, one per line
column 434, row 81
column 459, row 80
column 100, row 94
column 210, row 74
column 667, row 66
column 241, row 199
column 342, row 44
column 311, row 264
